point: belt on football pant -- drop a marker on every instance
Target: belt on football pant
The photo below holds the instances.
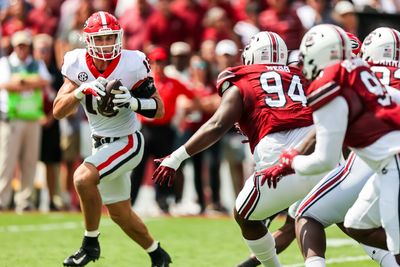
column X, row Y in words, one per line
column 101, row 140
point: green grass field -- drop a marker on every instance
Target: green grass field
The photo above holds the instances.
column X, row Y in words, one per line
column 44, row 240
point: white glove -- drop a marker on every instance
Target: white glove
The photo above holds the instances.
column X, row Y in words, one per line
column 95, row 88
column 124, row 96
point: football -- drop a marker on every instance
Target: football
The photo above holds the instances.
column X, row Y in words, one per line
column 105, row 104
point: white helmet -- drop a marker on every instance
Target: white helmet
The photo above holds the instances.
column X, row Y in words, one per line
column 381, row 44
column 321, row 46
column 265, row 48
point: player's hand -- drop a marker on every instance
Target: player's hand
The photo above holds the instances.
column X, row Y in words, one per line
column 272, row 175
column 165, row 171
column 95, row 88
column 124, row 96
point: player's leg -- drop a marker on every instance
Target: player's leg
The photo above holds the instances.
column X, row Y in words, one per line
column 327, row 204
column 122, row 214
column 86, row 178
column 283, row 238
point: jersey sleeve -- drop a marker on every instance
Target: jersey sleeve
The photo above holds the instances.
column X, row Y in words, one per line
column 323, row 90
column 141, row 70
column 70, row 65
column 225, row 80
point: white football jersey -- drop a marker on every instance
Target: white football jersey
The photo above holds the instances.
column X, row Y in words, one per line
column 130, row 68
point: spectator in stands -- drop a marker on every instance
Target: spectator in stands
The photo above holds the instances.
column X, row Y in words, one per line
column 249, row 26
column 50, row 153
column 192, row 14
column 345, row 15
column 207, row 52
column 164, row 27
column 135, row 33
column 159, row 134
column 73, row 15
column 218, row 26
column 14, row 20
column 22, row 80
column 233, row 150
column 315, row 12
column 44, row 18
column 179, row 68
column 282, row 19
column 203, row 86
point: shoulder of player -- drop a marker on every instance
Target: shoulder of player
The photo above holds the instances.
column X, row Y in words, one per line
column 74, row 56
column 133, row 59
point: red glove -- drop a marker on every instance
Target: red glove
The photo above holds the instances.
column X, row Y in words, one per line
column 163, row 173
column 273, row 174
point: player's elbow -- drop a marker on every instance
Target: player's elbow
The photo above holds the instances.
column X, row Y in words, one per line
column 160, row 112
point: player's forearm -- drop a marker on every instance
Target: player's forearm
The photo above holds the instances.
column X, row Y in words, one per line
column 64, row 105
column 208, row 134
column 331, row 123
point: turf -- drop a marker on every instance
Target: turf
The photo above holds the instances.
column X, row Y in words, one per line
column 44, row 240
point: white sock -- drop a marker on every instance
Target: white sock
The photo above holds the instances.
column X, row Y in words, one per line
column 94, row 233
column 152, row 247
column 264, row 249
column 383, row 257
column 315, row 261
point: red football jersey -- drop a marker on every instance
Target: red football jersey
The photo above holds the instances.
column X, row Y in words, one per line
column 273, row 98
column 372, row 114
column 388, row 72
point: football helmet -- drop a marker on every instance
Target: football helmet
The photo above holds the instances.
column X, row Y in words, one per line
column 101, row 24
column 355, row 44
column 321, row 46
column 265, row 48
column 381, row 44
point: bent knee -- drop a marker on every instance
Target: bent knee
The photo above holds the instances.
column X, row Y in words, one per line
column 86, row 176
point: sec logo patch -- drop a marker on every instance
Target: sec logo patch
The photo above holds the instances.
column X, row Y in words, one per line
column 82, row 76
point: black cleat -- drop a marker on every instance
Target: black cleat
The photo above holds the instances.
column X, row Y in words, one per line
column 85, row 254
column 250, row 262
column 160, row 258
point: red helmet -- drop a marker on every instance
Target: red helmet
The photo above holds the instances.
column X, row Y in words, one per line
column 355, row 44
column 99, row 24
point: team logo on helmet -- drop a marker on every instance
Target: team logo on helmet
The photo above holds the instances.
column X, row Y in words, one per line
column 310, row 41
column 82, row 76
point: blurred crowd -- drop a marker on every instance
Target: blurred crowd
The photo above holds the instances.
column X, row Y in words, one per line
column 188, row 43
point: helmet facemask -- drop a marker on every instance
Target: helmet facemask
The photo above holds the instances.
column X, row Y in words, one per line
column 104, row 52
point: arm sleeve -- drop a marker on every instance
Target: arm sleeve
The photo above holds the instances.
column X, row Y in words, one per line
column 331, row 124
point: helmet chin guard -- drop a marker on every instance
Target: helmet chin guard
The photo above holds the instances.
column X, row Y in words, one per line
column 102, row 24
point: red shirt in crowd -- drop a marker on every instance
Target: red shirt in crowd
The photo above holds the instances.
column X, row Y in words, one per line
column 169, row 90
column 286, row 24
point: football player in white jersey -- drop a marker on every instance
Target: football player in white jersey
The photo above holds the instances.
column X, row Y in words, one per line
column 118, row 145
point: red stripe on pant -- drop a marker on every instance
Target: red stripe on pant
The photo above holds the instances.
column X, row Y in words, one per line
column 251, row 201
column 118, row 154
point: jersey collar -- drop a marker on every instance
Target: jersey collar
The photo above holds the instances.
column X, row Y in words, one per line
column 111, row 67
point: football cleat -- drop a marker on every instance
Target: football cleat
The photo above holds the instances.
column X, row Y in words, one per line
column 84, row 255
column 160, row 258
column 250, row 262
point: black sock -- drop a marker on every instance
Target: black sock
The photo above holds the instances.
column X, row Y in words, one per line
column 90, row 241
